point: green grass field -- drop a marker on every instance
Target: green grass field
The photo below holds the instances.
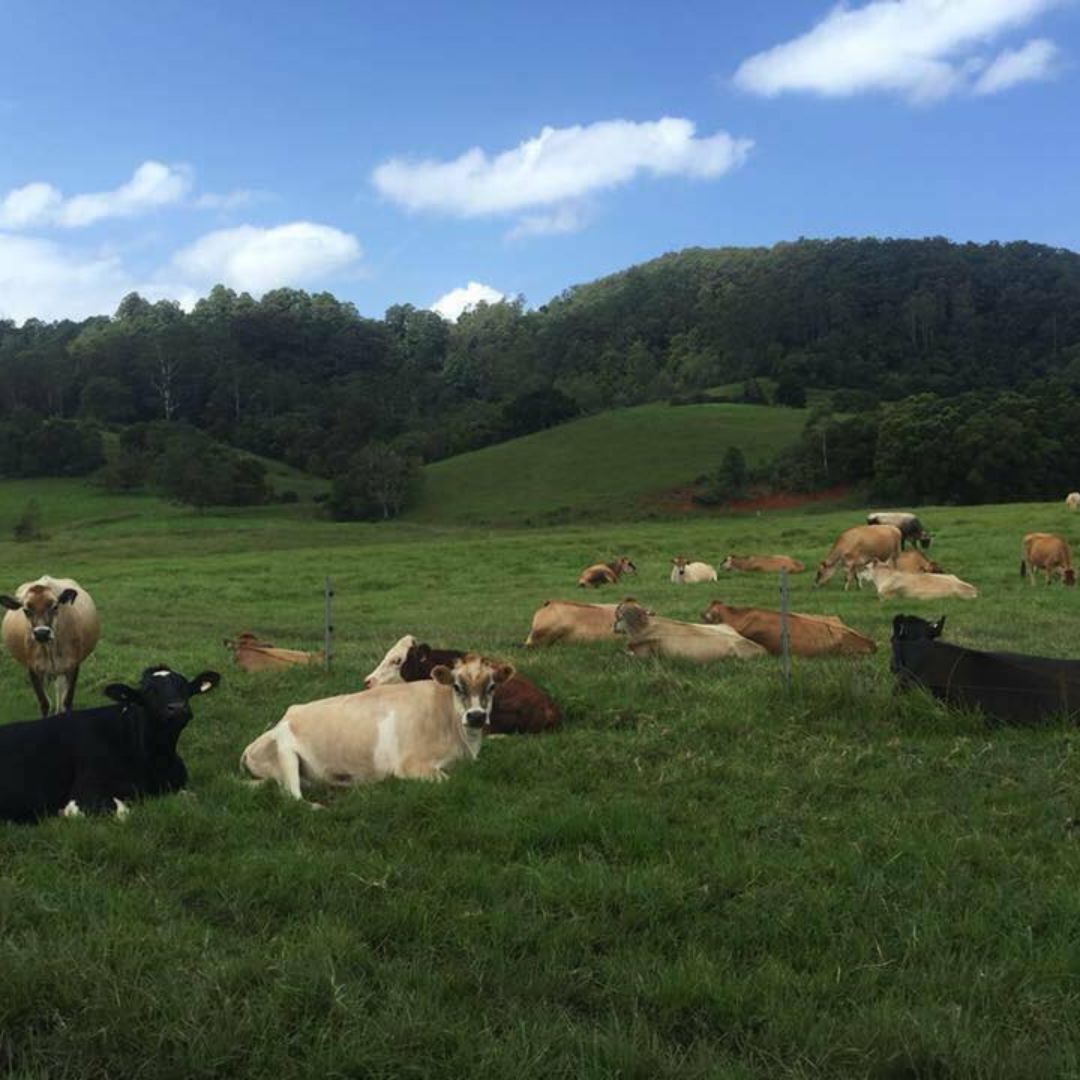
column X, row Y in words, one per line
column 608, row 467
column 701, row 876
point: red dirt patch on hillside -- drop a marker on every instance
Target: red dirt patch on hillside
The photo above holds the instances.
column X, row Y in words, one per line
column 681, row 501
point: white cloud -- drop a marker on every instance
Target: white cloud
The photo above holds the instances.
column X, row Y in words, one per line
column 40, row 279
column 556, row 167
column 570, row 218
column 256, row 259
column 456, row 301
column 38, row 203
column 922, row 49
column 1034, row 61
column 230, row 200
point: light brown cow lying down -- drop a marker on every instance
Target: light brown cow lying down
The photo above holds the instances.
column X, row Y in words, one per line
column 567, row 620
column 410, row 730
column 650, row 635
column 809, row 635
column 1049, row 553
column 915, row 562
column 251, row 654
column 890, row 582
column 605, row 573
column 771, row 564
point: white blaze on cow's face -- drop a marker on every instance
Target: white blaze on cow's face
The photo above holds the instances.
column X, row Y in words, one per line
column 473, row 681
column 389, row 669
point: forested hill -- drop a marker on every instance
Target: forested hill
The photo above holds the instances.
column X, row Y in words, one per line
column 305, row 379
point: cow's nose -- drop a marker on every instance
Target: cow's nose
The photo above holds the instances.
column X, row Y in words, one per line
column 42, row 633
column 176, row 712
column 475, row 718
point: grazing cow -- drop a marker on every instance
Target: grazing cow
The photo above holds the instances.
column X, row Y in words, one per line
column 410, row 730
column 1072, row 500
column 520, row 707
column 915, row 562
column 770, row 564
column 808, row 635
column 855, row 547
column 1050, row 554
column 691, row 573
column 567, row 620
column 909, row 525
column 649, row 635
column 606, row 573
column 890, row 583
column 251, row 654
column 1012, row 688
column 94, row 760
column 51, row 626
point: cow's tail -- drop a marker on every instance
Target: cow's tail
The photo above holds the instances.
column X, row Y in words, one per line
column 1023, row 568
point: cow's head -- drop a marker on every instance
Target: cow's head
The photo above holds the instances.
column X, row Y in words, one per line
column 714, row 613
column 825, row 571
column 41, row 605
column 912, row 628
column 389, row 669
column 729, row 563
column 623, row 565
column 164, row 694
column 680, row 564
column 473, row 680
column 630, row 617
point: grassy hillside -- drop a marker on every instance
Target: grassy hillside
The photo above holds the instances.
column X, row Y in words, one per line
column 608, row 466
column 700, row 876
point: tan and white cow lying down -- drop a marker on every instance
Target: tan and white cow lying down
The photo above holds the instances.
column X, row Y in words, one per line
column 684, row 572
column 808, row 635
column 914, row 561
column 409, row 730
column 567, row 620
column 768, row 564
column 51, row 626
column 649, row 635
column 857, row 546
column 890, row 582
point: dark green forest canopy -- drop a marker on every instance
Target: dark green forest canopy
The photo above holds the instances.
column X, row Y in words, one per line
column 306, row 379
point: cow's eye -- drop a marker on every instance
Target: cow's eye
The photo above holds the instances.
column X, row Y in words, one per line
column 459, row 688
column 396, row 663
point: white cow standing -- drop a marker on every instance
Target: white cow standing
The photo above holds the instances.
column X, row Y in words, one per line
column 410, row 730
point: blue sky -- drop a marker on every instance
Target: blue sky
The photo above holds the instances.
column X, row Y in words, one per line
column 392, row 153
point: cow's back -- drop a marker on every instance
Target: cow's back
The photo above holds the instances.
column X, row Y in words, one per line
column 568, row 620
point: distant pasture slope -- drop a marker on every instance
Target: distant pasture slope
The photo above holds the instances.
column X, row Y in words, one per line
column 606, row 466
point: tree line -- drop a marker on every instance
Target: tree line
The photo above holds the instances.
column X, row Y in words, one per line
column 306, row 379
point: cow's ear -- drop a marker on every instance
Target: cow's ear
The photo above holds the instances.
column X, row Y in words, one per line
column 68, row 596
column 10, row 603
column 117, row 691
column 203, row 683
column 423, row 651
column 503, row 673
column 442, row 675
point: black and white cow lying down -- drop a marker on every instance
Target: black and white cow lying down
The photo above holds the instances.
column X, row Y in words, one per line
column 1012, row 688
column 94, row 760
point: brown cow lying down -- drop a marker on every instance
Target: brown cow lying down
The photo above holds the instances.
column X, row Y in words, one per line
column 251, row 654
column 567, row 620
column 650, row 635
column 809, row 635
column 915, row 562
column 520, row 706
column 771, row 564
column 607, row 573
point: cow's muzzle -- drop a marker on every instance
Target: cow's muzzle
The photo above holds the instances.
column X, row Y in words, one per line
column 43, row 634
column 475, row 718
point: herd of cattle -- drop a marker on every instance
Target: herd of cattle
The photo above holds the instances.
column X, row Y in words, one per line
column 422, row 709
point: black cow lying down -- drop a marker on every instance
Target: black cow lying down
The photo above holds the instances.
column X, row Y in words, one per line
column 94, row 759
column 1013, row 688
